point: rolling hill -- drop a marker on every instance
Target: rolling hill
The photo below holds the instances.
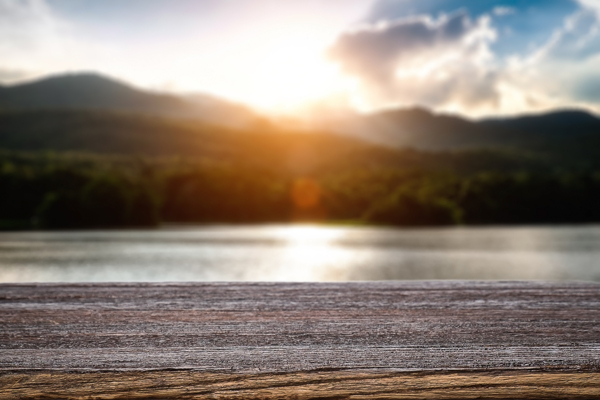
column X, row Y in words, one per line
column 92, row 113
column 131, row 134
column 96, row 92
column 422, row 129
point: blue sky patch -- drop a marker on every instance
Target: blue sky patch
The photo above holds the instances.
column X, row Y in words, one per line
column 522, row 25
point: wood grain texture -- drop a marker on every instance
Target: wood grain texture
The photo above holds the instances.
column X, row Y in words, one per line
column 384, row 340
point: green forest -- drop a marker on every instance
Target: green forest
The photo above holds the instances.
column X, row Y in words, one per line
column 80, row 191
column 85, row 151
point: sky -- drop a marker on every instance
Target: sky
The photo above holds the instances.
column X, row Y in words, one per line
column 476, row 58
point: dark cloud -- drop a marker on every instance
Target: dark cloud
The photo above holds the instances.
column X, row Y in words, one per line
column 375, row 52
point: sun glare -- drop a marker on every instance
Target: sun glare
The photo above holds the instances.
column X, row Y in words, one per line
column 288, row 74
column 277, row 70
column 303, row 234
column 311, row 253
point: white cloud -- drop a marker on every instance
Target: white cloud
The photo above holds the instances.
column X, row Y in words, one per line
column 562, row 73
column 444, row 63
column 576, row 40
column 266, row 53
column 22, row 22
column 396, row 64
column 591, row 4
column 28, row 32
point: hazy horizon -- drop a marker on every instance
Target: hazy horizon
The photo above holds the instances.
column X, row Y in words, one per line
column 293, row 118
column 476, row 59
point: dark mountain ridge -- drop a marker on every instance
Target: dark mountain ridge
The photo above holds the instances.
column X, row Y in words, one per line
column 560, row 121
column 422, row 128
column 131, row 134
column 89, row 91
column 89, row 112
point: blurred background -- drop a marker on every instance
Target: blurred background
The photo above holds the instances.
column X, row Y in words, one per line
column 261, row 140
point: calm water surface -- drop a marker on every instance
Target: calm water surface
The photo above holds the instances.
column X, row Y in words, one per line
column 301, row 253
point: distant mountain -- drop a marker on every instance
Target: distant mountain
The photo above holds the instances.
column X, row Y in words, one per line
column 417, row 128
column 110, row 133
column 120, row 133
column 96, row 92
column 92, row 113
column 421, row 129
column 564, row 122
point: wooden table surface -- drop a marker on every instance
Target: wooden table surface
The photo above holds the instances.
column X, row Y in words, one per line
column 384, row 340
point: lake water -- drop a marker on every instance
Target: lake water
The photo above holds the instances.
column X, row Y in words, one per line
column 301, row 253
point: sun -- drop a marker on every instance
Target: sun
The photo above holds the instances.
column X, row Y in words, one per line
column 277, row 71
column 286, row 73
column 292, row 74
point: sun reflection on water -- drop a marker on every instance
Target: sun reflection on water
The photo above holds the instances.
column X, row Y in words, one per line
column 301, row 253
column 311, row 253
column 309, row 233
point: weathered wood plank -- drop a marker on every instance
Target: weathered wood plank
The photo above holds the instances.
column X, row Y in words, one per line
column 385, row 340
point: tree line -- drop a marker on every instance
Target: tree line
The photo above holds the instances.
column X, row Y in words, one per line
column 50, row 191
